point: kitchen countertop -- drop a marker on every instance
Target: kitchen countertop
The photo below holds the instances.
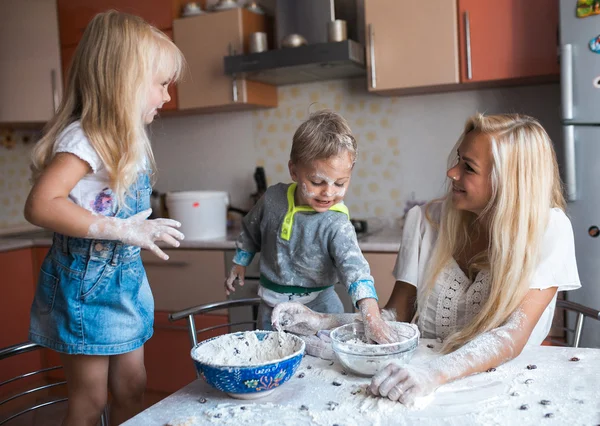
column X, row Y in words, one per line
column 384, row 240
column 557, row 392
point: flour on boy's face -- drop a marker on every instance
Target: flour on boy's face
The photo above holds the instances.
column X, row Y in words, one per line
column 322, row 183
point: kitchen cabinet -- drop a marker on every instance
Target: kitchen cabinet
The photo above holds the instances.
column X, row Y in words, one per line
column 382, row 270
column 508, row 39
column 442, row 45
column 411, row 44
column 188, row 278
column 17, row 286
column 205, row 40
column 30, row 71
column 74, row 15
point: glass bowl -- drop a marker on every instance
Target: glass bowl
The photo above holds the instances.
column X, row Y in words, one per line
column 350, row 347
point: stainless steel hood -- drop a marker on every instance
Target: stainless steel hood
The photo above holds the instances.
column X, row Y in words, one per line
column 312, row 62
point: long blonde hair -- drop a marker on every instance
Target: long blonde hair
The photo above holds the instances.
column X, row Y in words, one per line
column 109, row 81
column 525, row 186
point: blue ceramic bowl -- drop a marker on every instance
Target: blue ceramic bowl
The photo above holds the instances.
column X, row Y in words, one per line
column 248, row 381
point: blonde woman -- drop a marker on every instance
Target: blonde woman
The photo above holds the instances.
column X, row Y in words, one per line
column 91, row 174
column 484, row 263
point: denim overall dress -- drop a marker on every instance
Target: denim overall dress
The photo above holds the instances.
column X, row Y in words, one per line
column 93, row 296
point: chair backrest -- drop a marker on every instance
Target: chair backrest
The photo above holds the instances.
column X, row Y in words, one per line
column 19, row 349
column 580, row 312
column 228, row 305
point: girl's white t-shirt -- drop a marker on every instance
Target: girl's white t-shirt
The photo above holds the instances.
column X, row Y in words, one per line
column 456, row 299
column 93, row 191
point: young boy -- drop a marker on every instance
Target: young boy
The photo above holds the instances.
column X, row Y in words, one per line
column 304, row 234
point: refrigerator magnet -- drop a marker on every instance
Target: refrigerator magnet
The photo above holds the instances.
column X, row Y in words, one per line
column 596, row 82
column 595, row 44
column 587, row 8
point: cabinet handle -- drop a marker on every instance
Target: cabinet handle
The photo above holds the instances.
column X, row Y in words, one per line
column 566, row 83
column 372, row 56
column 468, row 45
column 234, row 86
column 55, row 96
column 570, row 165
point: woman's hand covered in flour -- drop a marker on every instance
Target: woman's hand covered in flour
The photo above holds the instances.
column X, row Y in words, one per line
column 405, row 384
column 297, row 318
column 138, row 231
column 237, row 272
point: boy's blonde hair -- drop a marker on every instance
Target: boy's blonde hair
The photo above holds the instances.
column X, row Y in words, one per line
column 323, row 135
column 108, row 85
column 525, row 186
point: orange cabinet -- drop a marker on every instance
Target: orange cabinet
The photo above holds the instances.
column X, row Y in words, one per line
column 414, row 47
column 411, row 44
column 507, row 39
column 74, row 15
column 17, row 286
column 205, row 40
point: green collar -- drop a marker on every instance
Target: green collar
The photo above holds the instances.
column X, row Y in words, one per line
column 288, row 221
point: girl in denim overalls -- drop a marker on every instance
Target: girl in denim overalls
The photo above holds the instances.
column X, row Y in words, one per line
column 91, row 173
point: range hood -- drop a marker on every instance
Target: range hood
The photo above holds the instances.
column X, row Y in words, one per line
column 291, row 65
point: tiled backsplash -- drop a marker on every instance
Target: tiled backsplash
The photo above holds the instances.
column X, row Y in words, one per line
column 15, row 150
column 403, row 144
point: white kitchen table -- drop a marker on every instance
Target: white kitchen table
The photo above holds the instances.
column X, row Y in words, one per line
column 556, row 389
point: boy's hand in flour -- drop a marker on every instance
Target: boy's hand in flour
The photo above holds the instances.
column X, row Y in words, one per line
column 138, row 231
column 237, row 272
column 405, row 384
column 298, row 319
column 376, row 328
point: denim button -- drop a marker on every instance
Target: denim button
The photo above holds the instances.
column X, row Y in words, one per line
column 98, row 247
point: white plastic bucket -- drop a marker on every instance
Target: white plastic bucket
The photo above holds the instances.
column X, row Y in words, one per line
column 203, row 214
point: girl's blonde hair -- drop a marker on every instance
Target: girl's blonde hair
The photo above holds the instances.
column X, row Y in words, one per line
column 323, row 135
column 525, row 186
column 108, row 85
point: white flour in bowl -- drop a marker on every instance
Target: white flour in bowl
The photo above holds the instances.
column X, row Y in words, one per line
column 245, row 349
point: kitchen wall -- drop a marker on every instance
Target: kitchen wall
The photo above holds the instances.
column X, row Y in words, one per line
column 403, row 142
column 15, row 149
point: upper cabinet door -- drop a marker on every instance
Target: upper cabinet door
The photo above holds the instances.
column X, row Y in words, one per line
column 74, row 15
column 30, row 71
column 507, row 39
column 205, row 40
column 411, row 43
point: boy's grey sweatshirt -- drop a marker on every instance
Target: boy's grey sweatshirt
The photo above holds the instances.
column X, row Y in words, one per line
column 321, row 250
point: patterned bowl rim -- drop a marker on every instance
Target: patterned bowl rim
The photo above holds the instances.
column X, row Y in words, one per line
column 294, row 354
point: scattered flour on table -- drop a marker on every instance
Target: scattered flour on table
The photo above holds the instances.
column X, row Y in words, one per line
column 246, row 349
column 485, row 398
